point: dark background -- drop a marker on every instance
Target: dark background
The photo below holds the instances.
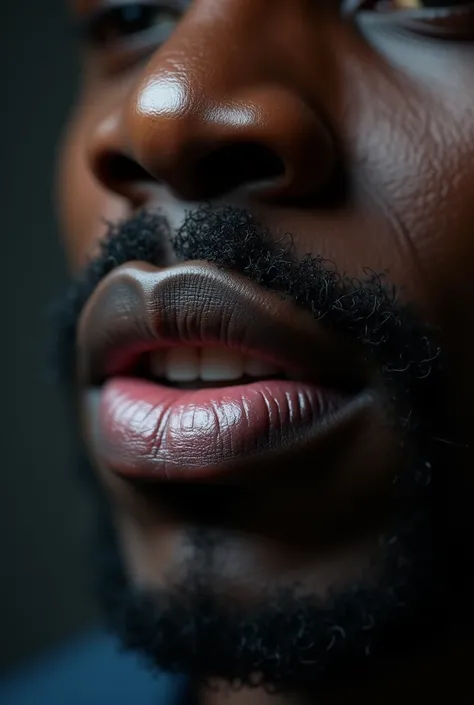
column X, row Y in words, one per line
column 44, row 577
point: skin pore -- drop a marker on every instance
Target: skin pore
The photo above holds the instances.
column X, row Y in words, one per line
column 353, row 132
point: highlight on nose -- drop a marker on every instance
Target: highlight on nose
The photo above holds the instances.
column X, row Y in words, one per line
column 165, row 97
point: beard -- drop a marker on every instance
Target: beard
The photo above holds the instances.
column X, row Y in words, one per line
column 290, row 639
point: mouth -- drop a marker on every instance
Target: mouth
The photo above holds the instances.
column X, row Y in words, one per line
column 190, row 373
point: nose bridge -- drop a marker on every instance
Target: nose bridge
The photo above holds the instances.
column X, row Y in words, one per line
column 207, row 70
column 219, row 47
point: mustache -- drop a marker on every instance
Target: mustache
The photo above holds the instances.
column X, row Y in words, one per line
column 366, row 310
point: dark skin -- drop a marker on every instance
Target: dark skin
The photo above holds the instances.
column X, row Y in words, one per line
column 386, row 101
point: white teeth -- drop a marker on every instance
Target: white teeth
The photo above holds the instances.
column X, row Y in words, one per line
column 218, row 364
column 258, row 368
column 182, row 364
column 210, row 364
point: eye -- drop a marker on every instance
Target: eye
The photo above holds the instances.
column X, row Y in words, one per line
column 129, row 20
column 420, row 4
column 442, row 6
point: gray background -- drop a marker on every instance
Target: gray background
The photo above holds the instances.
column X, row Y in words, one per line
column 43, row 515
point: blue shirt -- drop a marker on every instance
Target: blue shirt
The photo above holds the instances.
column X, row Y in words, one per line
column 91, row 670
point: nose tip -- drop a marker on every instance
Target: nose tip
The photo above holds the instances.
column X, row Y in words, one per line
column 175, row 132
column 199, row 147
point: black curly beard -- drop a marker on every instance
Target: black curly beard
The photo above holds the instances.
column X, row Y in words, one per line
column 288, row 641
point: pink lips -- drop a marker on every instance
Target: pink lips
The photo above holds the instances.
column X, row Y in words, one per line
column 147, row 430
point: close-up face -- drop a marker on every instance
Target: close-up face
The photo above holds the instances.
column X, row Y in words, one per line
column 267, row 207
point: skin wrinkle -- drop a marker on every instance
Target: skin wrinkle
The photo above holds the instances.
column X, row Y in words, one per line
column 271, row 416
column 404, row 230
column 220, row 424
column 159, row 434
column 367, row 226
column 374, row 187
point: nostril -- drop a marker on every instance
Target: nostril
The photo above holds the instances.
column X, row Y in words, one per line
column 237, row 165
column 115, row 168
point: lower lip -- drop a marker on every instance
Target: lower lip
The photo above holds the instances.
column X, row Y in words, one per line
column 150, row 431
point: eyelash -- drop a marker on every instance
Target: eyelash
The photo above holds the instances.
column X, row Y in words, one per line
column 119, row 22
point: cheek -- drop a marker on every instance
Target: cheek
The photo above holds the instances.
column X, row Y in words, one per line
column 84, row 207
column 412, row 141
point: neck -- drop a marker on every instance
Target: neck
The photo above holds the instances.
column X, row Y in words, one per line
column 225, row 695
column 439, row 675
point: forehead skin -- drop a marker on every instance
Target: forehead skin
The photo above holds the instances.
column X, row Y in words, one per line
column 393, row 101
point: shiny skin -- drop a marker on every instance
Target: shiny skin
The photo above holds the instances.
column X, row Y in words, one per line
column 386, row 97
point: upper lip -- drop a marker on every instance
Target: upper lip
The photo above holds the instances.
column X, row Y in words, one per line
column 139, row 307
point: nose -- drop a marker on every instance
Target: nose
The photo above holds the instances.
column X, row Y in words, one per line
column 215, row 111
